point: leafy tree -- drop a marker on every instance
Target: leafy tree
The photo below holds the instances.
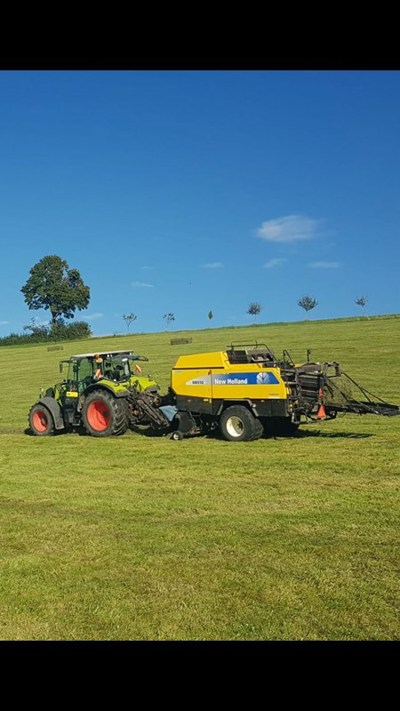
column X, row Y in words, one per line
column 169, row 318
column 254, row 309
column 307, row 303
column 53, row 286
column 129, row 318
column 362, row 301
column 210, row 315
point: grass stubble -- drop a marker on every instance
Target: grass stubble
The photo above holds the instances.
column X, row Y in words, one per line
column 140, row 538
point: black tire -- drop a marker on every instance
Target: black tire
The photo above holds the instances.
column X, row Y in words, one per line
column 41, row 421
column 104, row 415
column 238, row 424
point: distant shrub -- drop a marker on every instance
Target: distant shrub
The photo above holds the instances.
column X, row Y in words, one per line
column 44, row 334
column 70, row 331
column 15, row 339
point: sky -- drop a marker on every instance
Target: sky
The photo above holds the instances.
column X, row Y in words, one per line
column 184, row 192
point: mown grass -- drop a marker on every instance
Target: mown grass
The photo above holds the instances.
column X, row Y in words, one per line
column 142, row 538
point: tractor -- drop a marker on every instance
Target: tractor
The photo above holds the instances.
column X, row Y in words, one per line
column 104, row 393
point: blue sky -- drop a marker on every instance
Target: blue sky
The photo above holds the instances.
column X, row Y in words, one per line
column 190, row 191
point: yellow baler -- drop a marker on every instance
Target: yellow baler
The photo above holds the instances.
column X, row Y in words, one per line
column 236, row 389
column 245, row 390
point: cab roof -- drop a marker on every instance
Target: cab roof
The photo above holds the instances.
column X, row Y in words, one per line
column 102, row 354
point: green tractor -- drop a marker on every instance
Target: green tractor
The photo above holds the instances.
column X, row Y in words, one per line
column 105, row 393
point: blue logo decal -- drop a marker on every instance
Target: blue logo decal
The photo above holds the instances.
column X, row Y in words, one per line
column 263, row 378
column 246, row 379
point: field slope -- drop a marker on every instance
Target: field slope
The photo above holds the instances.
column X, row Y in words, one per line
column 140, row 538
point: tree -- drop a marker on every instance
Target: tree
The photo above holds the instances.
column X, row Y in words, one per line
column 53, row 286
column 169, row 318
column 129, row 318
column 362, row 301
column 254, row 309
column 307, row 303
column 210, row 315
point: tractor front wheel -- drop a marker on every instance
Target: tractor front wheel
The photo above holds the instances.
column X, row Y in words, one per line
column 104, row 415
column 41, row 421
column 238, row 424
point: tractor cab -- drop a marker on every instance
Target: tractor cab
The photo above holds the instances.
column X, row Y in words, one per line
column 87, row 368
column 79, row 373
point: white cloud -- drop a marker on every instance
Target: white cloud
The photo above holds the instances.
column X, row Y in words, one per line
column 39, row 322
column 91, row 317
column 274, row 262
column 213, row 265
column 145, row 268
column 142, row 285
column 291, row 228
column 4, row 323
column 324, row 265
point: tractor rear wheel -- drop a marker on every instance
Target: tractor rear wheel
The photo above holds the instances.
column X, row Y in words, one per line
column 104, row 415
column 41, row 421
column 238, row 424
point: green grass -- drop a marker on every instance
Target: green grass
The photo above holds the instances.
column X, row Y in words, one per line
column 140, row 538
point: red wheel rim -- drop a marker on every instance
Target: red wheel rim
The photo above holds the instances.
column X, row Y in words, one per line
column 98, row 415
column 40, row 421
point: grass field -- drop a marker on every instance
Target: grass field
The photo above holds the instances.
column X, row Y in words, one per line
column 142, row 538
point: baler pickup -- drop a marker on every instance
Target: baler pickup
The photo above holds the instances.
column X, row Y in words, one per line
column 340, row 398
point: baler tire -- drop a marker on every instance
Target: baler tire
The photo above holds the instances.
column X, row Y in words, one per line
column 238, row 424
column 104, row 415
column 41, row 421
column 176, row 436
